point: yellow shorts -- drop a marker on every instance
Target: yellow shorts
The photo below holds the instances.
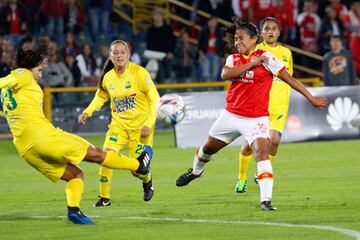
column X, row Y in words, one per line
column 278, row 120
column 116, row 140
column 53, row 152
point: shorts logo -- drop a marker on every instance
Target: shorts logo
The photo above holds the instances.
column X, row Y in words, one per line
column 122, row 105
column 259, row 129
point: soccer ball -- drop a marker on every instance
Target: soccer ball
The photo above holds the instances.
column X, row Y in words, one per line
column 170, row 109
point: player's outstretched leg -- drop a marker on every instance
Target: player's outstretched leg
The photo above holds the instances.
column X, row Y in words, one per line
column 185, row 178
column 76, row 216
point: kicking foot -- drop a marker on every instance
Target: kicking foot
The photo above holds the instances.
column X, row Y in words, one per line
column 187, row 177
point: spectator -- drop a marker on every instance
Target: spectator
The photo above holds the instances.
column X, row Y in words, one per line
column 87, row 66
column 259, row 9
column 211, row 50
column 284, row 11
column 331, row 25
column 309, row 25
column 33, row 8
column 99, row 12
column 14, row 18
column 185, row 56
column 74, row 17
column 354, row 41
column 53, row 11
column 27, row 42
column 134, row 56
column 5, row 64
column 70, row 46
column 103, row 56
column 72, row 66
column 338, row 68
column 56, row 74
column 160, row 37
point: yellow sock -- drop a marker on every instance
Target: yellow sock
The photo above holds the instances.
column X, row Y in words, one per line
column 272, row 158
column 105, row 181
column 115, row 161
column 244, row 162
column 74, row 190
column 145, row 178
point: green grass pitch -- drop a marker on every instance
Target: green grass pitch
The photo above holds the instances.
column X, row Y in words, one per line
column 317, row 192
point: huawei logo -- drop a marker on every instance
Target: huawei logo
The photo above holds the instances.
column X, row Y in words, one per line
column 341, row 112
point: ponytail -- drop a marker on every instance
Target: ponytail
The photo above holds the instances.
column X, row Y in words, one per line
column 108, row 65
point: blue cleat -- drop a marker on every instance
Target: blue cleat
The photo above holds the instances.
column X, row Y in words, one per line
column 78, row 217
column 144, row 160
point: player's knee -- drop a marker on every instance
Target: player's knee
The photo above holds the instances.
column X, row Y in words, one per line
column 95, row 154
column 246, row 149
column 261, row 153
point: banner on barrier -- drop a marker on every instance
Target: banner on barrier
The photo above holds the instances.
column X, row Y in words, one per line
column 303, row 123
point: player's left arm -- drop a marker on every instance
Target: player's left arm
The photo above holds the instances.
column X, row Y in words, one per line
column 316, row 101
column 278, row 69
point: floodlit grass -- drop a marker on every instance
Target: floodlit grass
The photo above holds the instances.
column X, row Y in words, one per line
column 316, row 183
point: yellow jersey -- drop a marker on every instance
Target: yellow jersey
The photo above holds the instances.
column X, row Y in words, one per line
column 133, row 98
column 22, row 100
column 280, row 90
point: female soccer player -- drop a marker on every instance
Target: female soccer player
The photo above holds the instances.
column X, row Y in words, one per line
column 52, row 151
column 278, row 102
column 251, row 71
column 133, row 97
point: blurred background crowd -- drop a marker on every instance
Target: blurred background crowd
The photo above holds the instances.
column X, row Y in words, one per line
column 78, row 33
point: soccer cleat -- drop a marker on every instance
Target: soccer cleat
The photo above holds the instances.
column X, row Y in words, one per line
column 78, row 217
column 103, row 202
column 187, row 177
column 240, row 186
column 266, row 206
column 144, row 160
column 148, row 191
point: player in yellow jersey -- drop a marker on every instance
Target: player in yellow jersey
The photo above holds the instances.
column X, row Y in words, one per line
column 279, row 98
column 133, row 97
column 52, row 151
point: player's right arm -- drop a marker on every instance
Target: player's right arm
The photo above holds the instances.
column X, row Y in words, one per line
column 101, row 97
column 231, row 72
column 8, row 81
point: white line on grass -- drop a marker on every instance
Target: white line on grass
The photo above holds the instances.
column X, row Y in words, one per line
column 352, row 233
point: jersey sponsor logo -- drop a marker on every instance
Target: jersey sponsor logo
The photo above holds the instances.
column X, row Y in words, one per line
column 122, row 105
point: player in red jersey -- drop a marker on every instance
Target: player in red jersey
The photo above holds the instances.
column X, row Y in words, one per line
column 251, row 73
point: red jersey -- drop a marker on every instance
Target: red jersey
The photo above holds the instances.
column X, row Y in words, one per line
column 248, row 96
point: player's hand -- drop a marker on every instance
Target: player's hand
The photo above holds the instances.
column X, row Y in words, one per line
column 256, row 61
column 82, row 118
column 145, row 131
column 319, row 102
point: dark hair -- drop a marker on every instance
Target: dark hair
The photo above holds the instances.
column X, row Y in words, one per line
column 263, row 21
column 230, row 31
column 30, row 58
column 108, row 65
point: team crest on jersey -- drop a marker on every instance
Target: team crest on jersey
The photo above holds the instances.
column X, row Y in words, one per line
column 249, row 74
column 148, row 81
column 122, row 105
column 127, row 85
column 111, row 87
column 285, row 59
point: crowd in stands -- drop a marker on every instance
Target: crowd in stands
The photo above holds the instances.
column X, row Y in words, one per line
column 78, row 34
